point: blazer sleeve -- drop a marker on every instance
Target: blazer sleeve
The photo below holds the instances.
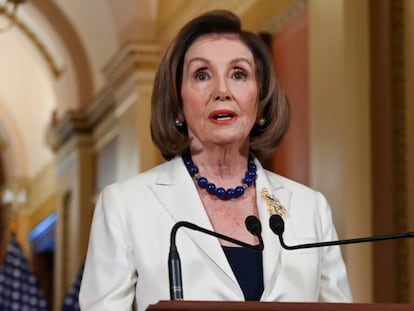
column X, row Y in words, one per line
column 109, row 277
column 334, row 286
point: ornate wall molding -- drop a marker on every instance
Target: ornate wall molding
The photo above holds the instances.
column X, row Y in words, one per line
column 81, row 121
column 34, row 38
column 131, row 69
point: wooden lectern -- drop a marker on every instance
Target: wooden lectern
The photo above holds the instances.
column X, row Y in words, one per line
column 273, row 306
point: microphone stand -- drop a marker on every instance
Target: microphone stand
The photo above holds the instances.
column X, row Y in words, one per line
column 278, row 227
column 174, row 262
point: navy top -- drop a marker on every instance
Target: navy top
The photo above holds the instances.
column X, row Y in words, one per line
column 247, row 266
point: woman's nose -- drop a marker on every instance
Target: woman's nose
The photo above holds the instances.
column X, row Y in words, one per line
column 221, row 95
column 221, row 91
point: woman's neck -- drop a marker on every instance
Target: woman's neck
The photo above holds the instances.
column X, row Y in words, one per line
column 222, row 165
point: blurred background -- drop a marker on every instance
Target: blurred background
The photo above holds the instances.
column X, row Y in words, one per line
column 75, row 84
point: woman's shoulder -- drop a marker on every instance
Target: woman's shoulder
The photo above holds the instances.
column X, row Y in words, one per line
column 300, row 195
column 144, row 177
column 297, row 188
column 285, row 181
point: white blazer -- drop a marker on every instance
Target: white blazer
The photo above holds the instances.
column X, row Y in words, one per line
column 127, row 258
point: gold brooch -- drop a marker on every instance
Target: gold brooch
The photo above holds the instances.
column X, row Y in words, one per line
column 273, row 204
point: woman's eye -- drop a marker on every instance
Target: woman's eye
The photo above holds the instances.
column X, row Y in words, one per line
column 201, row 75
column 239, row 75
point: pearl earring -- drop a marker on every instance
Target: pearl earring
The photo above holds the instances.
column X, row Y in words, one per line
column 178, row 123
column 261, row 121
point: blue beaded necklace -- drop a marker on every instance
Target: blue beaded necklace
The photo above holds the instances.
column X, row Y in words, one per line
column 220, row 192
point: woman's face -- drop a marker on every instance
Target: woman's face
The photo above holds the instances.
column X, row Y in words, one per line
column 219, row 90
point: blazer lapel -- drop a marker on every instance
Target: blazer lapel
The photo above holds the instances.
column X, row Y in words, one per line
column 272, row 248
column 177, row 193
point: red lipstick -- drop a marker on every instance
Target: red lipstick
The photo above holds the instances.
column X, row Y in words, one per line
column 222, row 116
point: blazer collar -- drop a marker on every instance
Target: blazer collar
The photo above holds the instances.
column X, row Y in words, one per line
column 178, row 194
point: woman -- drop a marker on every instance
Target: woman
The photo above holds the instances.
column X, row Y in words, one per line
column 217, row 108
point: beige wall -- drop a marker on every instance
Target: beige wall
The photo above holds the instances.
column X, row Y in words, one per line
column 339, row 112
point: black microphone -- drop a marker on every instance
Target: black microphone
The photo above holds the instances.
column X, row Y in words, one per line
column 174, row 264
column 277, row 225
column 254, row 226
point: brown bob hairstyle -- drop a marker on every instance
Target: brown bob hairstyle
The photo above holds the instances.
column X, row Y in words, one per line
column 167, row 104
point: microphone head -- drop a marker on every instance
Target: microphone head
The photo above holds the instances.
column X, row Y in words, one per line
column 277, row 224
column 253, row 225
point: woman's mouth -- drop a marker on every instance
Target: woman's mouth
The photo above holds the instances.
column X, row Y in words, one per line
column 222, row 116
